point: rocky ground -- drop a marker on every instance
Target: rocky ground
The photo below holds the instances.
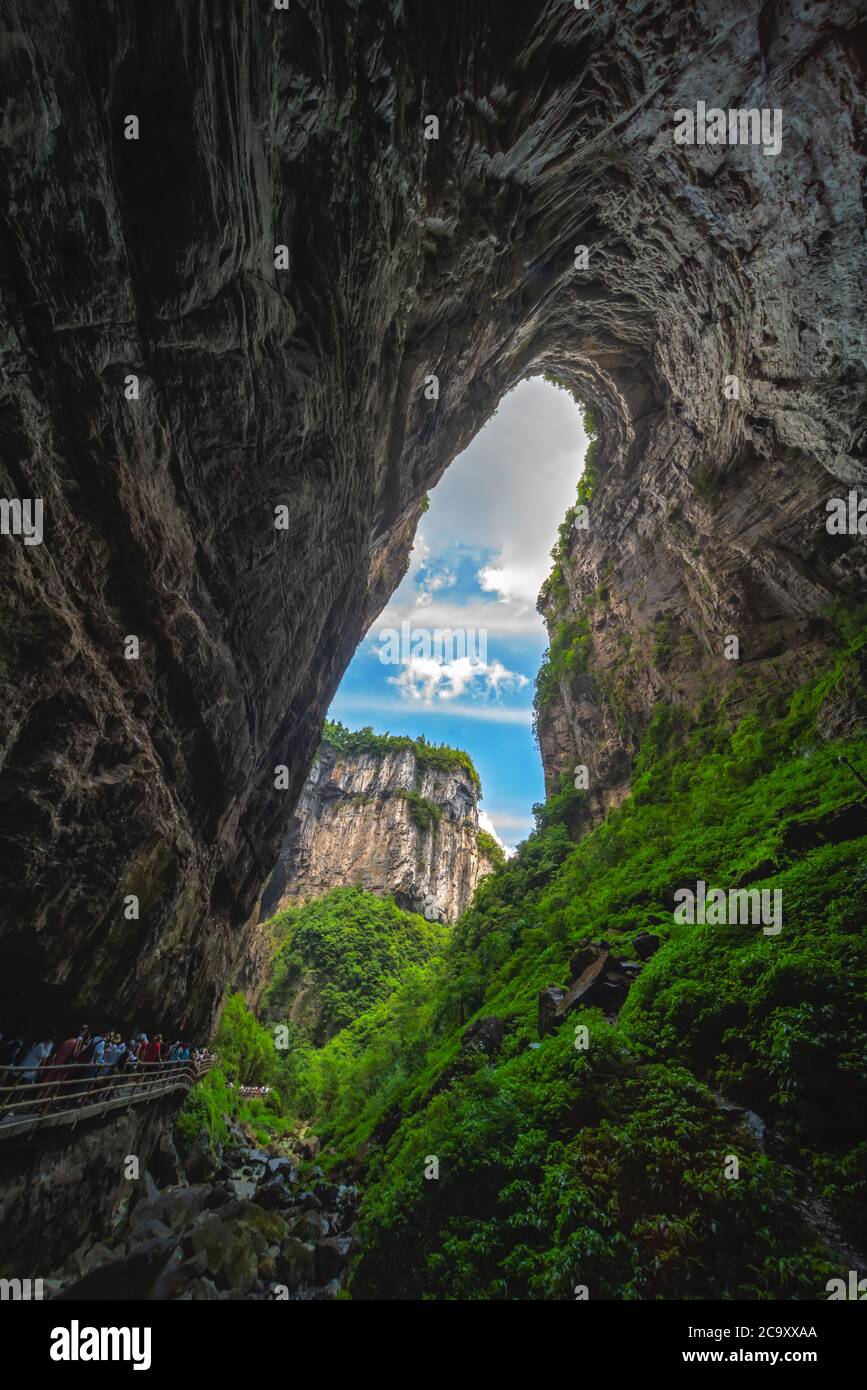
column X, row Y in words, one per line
column 239, row 1223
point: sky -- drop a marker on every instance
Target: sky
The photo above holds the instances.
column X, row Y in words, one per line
column 482, row 551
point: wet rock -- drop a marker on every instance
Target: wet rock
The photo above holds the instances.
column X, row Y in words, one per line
column 284, row 1168
column 307, row 1201
column 243, row 1188
column 332, row 1289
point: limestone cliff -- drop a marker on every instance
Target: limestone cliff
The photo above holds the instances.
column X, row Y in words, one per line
column 236, row 311
column 379, row 821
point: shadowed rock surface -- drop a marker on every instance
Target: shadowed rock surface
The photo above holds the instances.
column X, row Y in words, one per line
column 303, row 388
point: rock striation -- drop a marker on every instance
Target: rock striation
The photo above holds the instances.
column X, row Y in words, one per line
column 236, row 312
column 380, row 822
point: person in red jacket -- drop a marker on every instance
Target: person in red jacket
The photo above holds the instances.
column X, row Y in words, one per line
column 154, row 1050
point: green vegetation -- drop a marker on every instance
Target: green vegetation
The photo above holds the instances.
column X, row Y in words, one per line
column 247, row 1057
column 428, row 756
column 662, row 648
column 605, row 1167
column 340, row 954
column 425, row 813
column 488, row 847
column 554, row 592
column 567, row 656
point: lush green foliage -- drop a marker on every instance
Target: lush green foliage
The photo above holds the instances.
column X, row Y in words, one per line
column 248, row 1057
column 424, row 812
column 604, row 1167
column 489, row 849
column 428, row 756
column 566, row 658
column 554, row 592
column 340, row 954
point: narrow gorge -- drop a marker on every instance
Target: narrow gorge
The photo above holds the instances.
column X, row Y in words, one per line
column 267, row 272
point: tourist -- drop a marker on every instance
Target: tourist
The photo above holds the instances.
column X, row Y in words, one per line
column 34, row 1058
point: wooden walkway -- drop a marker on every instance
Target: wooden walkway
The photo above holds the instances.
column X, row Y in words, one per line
column 28, row 1107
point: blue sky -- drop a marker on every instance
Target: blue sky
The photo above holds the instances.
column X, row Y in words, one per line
column 481, row 553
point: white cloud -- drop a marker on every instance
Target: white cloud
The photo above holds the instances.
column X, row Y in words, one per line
column 485, row 823
column 510, row 489
column 426, row 679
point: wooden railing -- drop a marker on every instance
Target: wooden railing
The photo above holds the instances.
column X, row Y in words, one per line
column 77, row 1094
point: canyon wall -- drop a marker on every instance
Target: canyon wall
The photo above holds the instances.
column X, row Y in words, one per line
column 171, row 378
column 379, row 821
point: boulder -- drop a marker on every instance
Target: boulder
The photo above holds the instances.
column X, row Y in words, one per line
column 586, row 955
column 310, row 1225
column 176, row 1207
column 296, row 1262
column 240, row 1264
column 217, row 1197
column 200, row 1291
column 646, row 944
column 307, row 1201
column 209, row 1239
column 587, row 989
column 330, row 1258
column 151, row 1229
column 130, row 1277
column 242, row 1188
column 268, row 1226
column 273, row 1196
column 484, row 1035
column 284, row 1167
column 100, row 1254
column 166, row 1165
column 549, row 1001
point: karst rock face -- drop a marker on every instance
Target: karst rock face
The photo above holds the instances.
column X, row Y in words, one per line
column 359, row 823
column 303, row 387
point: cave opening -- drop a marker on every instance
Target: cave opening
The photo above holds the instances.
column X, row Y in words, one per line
column 456, row 651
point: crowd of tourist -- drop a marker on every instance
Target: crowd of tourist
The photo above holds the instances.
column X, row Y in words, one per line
column 96, row 1057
